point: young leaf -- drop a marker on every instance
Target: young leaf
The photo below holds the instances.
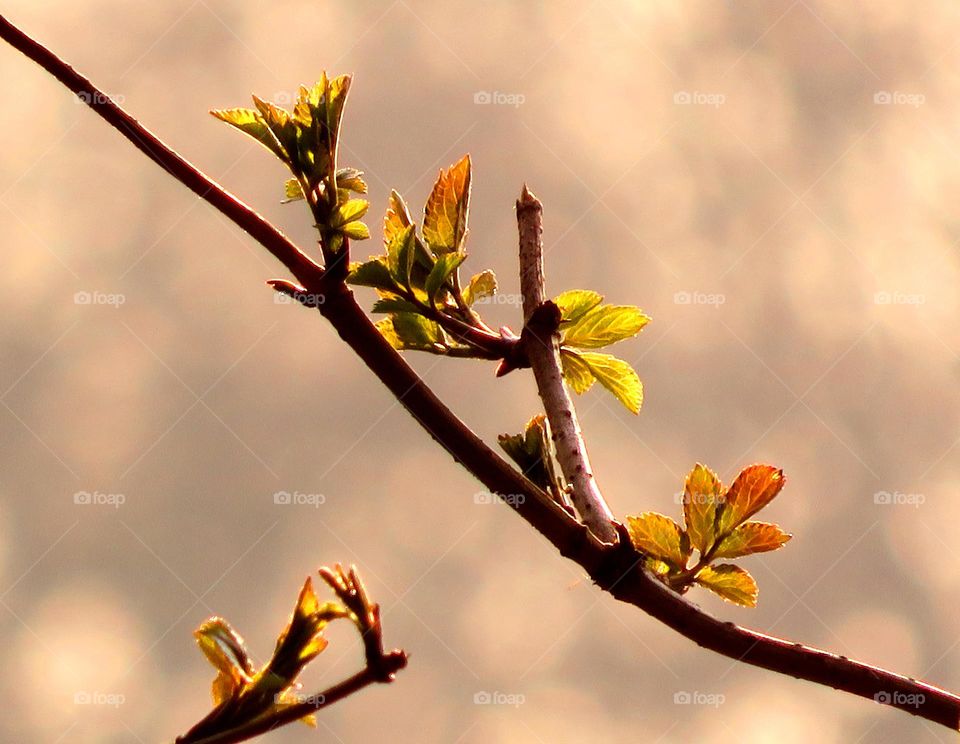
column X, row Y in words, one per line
column 373, row 273
column 416, row 332
column 701, row 496
column 387, row 330
column 754, row 488
column 356, row 231
column 394, row 305
column 751, row 537
column 352, row 180
column 252, row 123
column 281, row 125
column 533, row 453
column 442, row 270
column 396, row 220
column 445, row 215
column 401, row 254
column 576, row 302
column 292, row 191
column 481, row 285
column 604, row 325
column 617, row 376
column 350, row 211
column 226, row 651
column 576, row 372
column 731, row 582
column 658, row 536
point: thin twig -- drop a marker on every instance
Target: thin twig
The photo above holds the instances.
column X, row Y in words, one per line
column 616, row 569
column 542, row 345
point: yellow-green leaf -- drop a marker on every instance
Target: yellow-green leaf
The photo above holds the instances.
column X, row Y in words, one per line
column 446, row 212
column 576, row 302
column 372, row 273
column 731, row 582
column 352, row 180
column 605, row 325
column 754, row 488
column 356, row 230
column 292, row 190
column 751, row 537
column 441, row 272
column 387, row 330
column 280, row 124
column 396, row 220
column 481, row 285
column 252, row 123
column 350, row 211
column 701, row 496
column 576, row 372
column 226, row 651
column 617, row 376
column 657, row 536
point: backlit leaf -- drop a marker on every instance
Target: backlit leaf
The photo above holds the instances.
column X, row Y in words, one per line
column 617, row 376
column 754, row 488
column 575, row 302
column 445, row 215
column 350, row 211
column 442, row 270
column 731, row 582
column 416, row 332
column 751, row 537
column 657, row 536
column 604, row 325
column 394, row 305
column 352, row 180
column 576, row 372
column 396, row 220
column 292, row 190
column 701, row 496
column 481, row 285
column 373, row 273
column 356, row 231
column 226, row 651
column 253, row 124
column 280, row 124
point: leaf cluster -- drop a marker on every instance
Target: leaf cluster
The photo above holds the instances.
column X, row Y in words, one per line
column 716, row 526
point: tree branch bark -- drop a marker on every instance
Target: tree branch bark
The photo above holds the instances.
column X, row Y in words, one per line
column 615, row 568
column 542, row 345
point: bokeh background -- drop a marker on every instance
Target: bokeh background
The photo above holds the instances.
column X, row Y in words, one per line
column 774, row 182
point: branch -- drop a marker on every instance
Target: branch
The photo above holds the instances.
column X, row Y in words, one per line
column 542, row 345
column 615, row 568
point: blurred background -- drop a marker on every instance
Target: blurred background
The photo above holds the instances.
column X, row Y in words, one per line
column 773, row 182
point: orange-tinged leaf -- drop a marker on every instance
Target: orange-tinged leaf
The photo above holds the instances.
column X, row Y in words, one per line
column 445, row 215
column 396, row 220
column 657, row 536
column 701, row 496
column 751, row 537
column 730, row 582
column 753, row 489
column 226, row 651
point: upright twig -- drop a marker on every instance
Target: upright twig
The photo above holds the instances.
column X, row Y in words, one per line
column 541, row 320
column 617, row 569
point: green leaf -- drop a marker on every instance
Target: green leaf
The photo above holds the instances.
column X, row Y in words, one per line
column 754, row 488
column 226, row 651
column 352, row 180
column 701, row 497
column 617, row 376
column 575, row 302
column 751, row 537
column 731, row 582
column 657, row 536
column 396, row 220
column 533, row 453
column 356, row 231
column 292, row 191
column 401, row 254
column 442, row 270
column 394, row 305
column 252, row 123
column 604, row 325
column 576, row 372
column 349, row 211
column 281, row 125
column 445, row 215
column 373, row 273
column 416, row 332
column 386, row 329
column 481, row 285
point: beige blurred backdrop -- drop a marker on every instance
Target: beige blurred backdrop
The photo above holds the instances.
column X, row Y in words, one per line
column 774, row 182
